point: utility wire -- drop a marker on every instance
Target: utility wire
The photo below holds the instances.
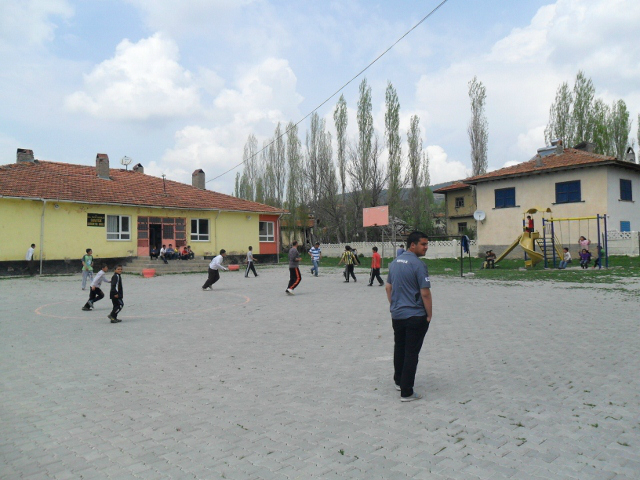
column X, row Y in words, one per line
column 335, row 93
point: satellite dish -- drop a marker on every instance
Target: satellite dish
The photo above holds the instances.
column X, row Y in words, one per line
column 479, row 215
column 126, row 161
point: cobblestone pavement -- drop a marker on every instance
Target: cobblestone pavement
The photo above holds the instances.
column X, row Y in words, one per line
column 522, row 381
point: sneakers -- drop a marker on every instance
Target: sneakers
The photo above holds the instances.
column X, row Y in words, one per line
column 312, row 271
column 397, row 386
column 86, row 308
column 369, row 284
column 411, row 398
column 113, row 319
column 204, row 289
column 288, row 291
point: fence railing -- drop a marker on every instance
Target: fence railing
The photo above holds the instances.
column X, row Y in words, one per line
column 437, row 249
column 619, row 243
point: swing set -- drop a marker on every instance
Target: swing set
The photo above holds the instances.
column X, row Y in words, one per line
column 555, row 227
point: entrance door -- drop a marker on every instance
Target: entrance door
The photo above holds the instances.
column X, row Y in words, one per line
column 155, row 235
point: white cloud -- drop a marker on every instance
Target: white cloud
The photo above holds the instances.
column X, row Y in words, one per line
column 264, row 95
column 142, row 81
column 441, row 169
column 28, row 22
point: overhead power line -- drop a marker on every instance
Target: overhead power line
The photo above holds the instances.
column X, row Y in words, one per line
column 336, row 92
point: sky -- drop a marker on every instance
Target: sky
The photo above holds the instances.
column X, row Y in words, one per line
column 178, row 86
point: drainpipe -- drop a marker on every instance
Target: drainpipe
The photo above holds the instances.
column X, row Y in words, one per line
column 44, row 205
column 216, row 234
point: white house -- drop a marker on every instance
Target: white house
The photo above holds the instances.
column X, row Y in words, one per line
column 572, row 182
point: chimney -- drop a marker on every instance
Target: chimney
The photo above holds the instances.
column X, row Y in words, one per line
column 102, row 166
column 558, row 144
column 138, row 168
column 630, row 156
column 24, row 156
column 197, row 179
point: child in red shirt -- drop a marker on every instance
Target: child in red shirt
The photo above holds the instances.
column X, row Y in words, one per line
column 376, row 261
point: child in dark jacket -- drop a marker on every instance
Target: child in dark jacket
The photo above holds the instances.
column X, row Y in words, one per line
column 116, row 295
column 585, row 258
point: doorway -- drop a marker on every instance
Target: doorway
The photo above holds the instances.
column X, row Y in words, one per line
column 155, row 235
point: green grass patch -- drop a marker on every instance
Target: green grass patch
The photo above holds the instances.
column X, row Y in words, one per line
column 620, row 268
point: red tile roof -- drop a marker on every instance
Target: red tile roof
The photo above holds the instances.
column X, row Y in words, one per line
column 453, row 186
column 79, row 183
column 571, row 158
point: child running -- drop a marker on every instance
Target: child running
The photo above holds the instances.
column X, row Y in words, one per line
column 214, row 267
column 116, row 295
column 95, row 292
column 250, row 266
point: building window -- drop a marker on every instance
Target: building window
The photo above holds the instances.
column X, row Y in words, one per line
column 625, row 190
column 199, row 230
column 118, row 227
column 462, row 227
column 625, row 226
column 266, row 232
column 505, row 197
column 568, row 192
column 459, row 202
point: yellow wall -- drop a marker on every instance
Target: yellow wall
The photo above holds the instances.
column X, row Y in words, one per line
column 66, row 234
column 236, row 231
column 460, row 214
column 503, row 225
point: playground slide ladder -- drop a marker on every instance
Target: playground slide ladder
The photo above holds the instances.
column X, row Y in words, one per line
column 547, row 252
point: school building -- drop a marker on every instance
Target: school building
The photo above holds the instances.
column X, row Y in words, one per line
column 65, row 208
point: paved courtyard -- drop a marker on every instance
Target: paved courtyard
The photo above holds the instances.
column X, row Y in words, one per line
column 522, row 381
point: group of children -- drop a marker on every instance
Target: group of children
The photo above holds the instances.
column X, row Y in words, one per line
column 116, row 293
column 584, row 254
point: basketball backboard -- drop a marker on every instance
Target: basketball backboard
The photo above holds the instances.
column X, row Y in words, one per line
column 375, row 216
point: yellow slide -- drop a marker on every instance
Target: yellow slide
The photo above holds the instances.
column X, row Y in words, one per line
column 526, row 242
column 508, row 250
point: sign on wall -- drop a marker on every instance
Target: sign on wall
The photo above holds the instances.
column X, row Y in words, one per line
column 95, row 219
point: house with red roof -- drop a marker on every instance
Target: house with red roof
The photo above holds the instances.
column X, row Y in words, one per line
column 572, row 182
column 460, row 203
column 65, row 208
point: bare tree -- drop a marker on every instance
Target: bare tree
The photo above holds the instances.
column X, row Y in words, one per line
column 378, row 176
column 396, row 181
column 478, row 128
column 340, row 119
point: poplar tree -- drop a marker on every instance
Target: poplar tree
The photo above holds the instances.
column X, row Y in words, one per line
column 394, row 147
column 559, row 125
column 478, row 128
column 620, row 128
column 415, row 171
column 340, row 119
column 279, row 166
column 294, row 183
